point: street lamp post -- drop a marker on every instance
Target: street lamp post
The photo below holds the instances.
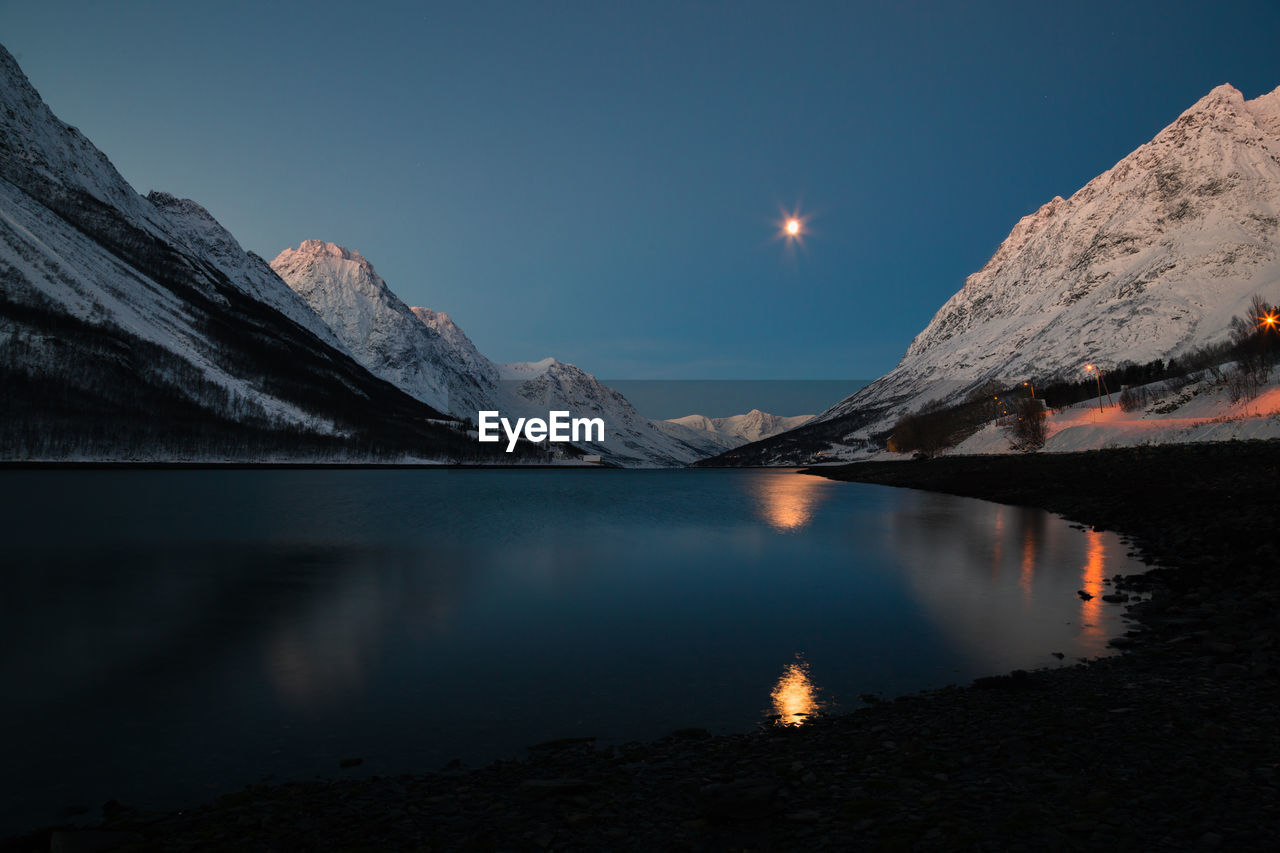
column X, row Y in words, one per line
column 1098, row 379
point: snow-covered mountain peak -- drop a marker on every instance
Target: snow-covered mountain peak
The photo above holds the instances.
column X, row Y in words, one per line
column 185, row 208
column 1223, row 93
column 1150, row 259
column 385, row 335
column 345, row 265
column 1210, row 177
column 44, row 155
column 1221, row 109
column 443, row 325
column 426, row 354
column 471, row 358
column 192, row 222
column 1266, row 111
column 52, row 163
column 1216, row 122
column 192, row 226
column 740, row 429
column 323, row 248
column 521, row 370
column 335, row 269
column 149, row 314
column 438, row 320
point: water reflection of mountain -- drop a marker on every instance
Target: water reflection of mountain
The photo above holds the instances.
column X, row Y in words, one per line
column 976, row 566
column 309, row 620
column 226, row 662
column 321, row 651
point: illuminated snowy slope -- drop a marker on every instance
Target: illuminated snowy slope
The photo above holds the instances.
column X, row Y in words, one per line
column 1149, row 260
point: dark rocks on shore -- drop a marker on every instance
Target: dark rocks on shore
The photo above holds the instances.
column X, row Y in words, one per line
column 92, row 840
column 544, row 788
column 740, row 799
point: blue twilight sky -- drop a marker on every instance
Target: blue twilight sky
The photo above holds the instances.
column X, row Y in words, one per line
column 601, row 181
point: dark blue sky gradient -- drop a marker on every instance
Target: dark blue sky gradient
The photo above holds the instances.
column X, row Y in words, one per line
column 600, row 181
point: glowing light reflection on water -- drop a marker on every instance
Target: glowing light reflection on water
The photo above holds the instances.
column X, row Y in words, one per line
column 217, row 627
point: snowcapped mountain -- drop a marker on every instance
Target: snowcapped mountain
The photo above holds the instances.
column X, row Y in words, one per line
column 427, row 355
column 137, row 327
column 1149, row 260
column 468, row 357
column 194, row 228
column 630, row 439
column 741, row 429
column 383, row 333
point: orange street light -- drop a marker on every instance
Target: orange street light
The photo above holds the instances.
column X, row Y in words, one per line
column 1268, row 321
column 1097, row 376
column 1032, row 388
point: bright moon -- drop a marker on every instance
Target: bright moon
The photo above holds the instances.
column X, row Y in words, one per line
column 793, row 227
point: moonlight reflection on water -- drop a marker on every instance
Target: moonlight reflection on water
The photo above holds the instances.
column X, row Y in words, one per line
column 239, row 624
column 795, row 697
column 787, row 502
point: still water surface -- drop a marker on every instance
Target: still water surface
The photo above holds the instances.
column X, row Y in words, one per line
column 171, row 635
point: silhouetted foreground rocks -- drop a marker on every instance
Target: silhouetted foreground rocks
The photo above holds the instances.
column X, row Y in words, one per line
column 1171, row 745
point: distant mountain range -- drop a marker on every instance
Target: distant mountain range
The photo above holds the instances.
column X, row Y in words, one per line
column 741, row 429
column 137, row 328
column 424, row 353
column 1149, row 260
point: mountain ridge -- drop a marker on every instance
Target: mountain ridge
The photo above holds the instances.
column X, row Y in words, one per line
column 1148, row 260
column 426, row 354
column 747, row 427
column 136, row 327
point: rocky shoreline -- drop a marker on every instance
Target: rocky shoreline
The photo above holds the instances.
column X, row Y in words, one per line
column 1173, row 744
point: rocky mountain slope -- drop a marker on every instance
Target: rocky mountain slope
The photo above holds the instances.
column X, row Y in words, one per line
column 136, row 327
column 383, row 333
column 427, row 355
column 1149, row 260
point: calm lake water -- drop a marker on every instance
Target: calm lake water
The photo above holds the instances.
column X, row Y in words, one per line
column 172, row 635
